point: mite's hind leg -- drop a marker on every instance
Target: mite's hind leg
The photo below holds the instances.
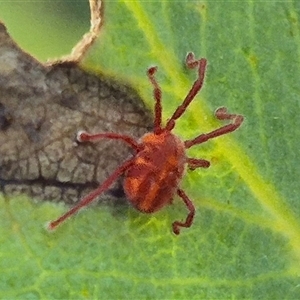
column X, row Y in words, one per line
column 190, row 217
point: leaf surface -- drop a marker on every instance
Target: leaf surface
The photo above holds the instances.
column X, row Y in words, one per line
column 245, row 241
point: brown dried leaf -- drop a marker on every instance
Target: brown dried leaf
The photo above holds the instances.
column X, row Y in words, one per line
column 41, row 110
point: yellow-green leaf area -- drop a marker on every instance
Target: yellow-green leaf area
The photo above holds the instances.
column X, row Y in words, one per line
column 245, row 241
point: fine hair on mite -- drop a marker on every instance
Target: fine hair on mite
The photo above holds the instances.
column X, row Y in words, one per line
column 153, row 174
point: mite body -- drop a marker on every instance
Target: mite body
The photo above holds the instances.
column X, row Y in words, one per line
column 153, row 174
column 152, row 180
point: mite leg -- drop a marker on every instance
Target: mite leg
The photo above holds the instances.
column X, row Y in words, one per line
column 83, row 136
column 191, row 62
column 221, row 114
column 93, row 195
column 190, row 217
column 157, row 97
column 194, row 163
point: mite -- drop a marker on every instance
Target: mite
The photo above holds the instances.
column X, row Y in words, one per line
column 153, row 174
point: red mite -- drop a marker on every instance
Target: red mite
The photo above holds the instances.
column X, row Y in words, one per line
column 152, row 176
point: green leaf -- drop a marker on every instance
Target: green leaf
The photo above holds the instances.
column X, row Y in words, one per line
column 245, row 241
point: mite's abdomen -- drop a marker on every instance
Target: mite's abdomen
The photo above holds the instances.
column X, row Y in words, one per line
column 152, row 181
